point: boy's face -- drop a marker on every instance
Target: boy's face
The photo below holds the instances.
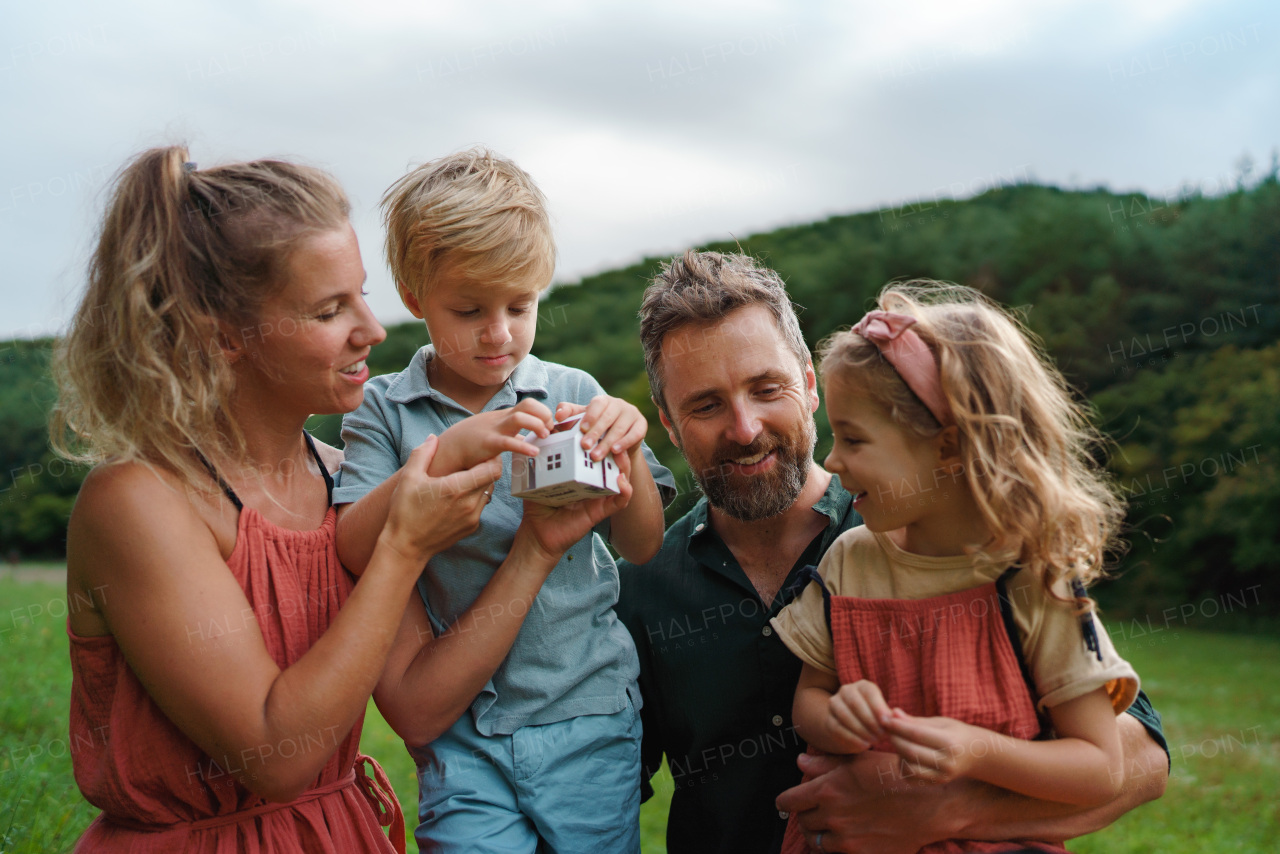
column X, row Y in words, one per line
column 480, row 331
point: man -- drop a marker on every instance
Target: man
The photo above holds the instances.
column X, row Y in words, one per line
column 735, row 388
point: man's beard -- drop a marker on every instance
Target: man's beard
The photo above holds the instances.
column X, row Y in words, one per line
column 749, row 498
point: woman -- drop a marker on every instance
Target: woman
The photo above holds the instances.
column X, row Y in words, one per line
column 218, row 692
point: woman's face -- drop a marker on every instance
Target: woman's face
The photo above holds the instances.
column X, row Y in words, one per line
column 307, row 351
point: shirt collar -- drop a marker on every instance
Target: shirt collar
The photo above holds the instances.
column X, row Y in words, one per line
column 529, row 378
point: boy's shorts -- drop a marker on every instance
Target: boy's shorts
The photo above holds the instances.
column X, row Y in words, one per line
column 571, row 787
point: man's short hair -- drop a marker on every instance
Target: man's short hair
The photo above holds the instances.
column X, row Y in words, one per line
column 477, row 212
column 703, row 287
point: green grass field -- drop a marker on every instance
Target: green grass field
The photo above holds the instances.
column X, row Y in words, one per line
column 1217, row 693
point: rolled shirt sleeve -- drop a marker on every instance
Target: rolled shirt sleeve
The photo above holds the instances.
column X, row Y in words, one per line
column 1061, row 666
column 371, row 439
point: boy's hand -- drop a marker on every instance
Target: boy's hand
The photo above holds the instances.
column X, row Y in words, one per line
column 610, row 425
column 855, row 714
column 937, row 750
column 481, row 437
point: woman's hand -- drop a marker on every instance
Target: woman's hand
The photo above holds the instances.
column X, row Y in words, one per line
column 429, row 514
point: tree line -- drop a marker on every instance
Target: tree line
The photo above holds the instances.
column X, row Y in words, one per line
column 1161, row 311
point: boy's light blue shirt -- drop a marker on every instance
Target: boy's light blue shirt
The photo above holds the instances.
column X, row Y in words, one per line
column 572, row 656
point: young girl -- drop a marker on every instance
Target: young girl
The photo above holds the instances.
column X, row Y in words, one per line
column 946, row 626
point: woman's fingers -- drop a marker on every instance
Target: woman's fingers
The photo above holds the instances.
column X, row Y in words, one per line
column 436, row 512
column 421, row 456
column 479, row 478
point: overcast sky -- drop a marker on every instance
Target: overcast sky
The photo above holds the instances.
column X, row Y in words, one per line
column 650, row 126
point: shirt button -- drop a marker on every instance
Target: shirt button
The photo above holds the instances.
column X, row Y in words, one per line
column 777, row 720
column 569, row 557
column 767, row 631
column 698, row 527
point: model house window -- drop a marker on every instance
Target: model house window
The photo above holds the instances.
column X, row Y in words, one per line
column 553, row 462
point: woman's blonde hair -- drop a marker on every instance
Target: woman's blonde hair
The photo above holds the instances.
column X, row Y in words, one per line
column 1026, row 444
column 474, row 210
column 182, row 255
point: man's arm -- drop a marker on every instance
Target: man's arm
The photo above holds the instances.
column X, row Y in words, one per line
column 1000, row 814
column 862, row 804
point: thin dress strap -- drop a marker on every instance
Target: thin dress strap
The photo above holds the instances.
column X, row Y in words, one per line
column 1015, row 641
column 328, row 478
column 235, row 499
column 226, row 487
column 809, row 574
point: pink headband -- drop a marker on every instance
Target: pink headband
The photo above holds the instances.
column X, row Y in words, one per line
column 910, row 357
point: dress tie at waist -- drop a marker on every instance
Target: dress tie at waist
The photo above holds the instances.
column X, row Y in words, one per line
column 376, row 790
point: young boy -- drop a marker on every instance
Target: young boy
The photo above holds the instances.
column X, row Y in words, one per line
column 548, row 755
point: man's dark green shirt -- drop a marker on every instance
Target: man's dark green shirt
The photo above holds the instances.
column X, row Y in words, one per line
column 718, row 684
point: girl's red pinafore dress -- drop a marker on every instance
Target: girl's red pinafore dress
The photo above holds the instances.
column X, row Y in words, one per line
column 957, row 655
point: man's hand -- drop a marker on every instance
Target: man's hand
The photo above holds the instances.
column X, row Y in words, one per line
column 481, row 437
column 861, row 803
column 610, row 425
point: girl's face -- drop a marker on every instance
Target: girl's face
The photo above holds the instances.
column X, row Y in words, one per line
column 308, row 349
column 896, row 477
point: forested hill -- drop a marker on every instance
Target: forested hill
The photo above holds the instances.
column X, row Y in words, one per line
column 1163, row 311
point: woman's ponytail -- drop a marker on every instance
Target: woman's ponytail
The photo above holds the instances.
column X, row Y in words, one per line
column 183, row 256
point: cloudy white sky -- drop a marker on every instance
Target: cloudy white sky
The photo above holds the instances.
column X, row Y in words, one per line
column 649, row 126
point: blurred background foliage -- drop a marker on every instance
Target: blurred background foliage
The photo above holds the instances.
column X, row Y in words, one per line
column 1161, row 311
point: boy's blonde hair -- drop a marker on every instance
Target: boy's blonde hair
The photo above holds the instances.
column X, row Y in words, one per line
column 141, row 372
column 474, row 210
column 1028, row 448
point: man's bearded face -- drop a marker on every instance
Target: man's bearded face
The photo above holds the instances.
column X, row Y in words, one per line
column 758, row 496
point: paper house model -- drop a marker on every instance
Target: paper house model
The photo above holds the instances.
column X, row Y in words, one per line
column 563, row 471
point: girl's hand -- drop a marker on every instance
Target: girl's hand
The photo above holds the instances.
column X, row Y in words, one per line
column 854, row 715
column 938, row 750
column 610, row 425
column 477, row 438
column 429, row 514
column 553, row 530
